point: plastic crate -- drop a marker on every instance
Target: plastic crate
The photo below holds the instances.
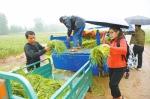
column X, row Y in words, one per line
column 67, row 43
column 63, row 38
column 72, row 61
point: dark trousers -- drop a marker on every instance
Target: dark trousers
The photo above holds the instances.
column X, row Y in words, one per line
column 32, row 67
column 138, row 50
column 115, row 75
column 127, row 69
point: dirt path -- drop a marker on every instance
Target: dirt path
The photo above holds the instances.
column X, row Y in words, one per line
column 13, row 62
column 136, row 87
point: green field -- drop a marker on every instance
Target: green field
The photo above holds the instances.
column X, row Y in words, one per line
column 147, row 38
column 14, row 44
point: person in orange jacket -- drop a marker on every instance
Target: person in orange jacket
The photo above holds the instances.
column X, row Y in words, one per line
column 115, row 61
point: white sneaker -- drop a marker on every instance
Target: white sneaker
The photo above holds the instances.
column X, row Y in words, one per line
column 139, row 69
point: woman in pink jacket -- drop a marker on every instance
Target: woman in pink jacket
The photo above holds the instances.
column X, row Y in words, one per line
column 115, row 62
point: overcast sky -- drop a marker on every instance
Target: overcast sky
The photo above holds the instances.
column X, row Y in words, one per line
column 22, row 12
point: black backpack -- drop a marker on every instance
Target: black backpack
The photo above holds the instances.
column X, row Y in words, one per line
column 129, row 58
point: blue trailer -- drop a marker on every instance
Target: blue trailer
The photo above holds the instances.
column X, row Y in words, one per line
column 73, row 61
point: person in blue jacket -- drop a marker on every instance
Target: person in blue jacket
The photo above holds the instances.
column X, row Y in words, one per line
column 76, row 24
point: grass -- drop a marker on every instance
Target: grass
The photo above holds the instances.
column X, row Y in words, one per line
column 147, row 40
column 14, row 44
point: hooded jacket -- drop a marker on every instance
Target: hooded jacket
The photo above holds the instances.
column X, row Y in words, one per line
column 73, row 23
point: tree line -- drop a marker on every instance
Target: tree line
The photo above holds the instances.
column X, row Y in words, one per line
column 39, row 26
